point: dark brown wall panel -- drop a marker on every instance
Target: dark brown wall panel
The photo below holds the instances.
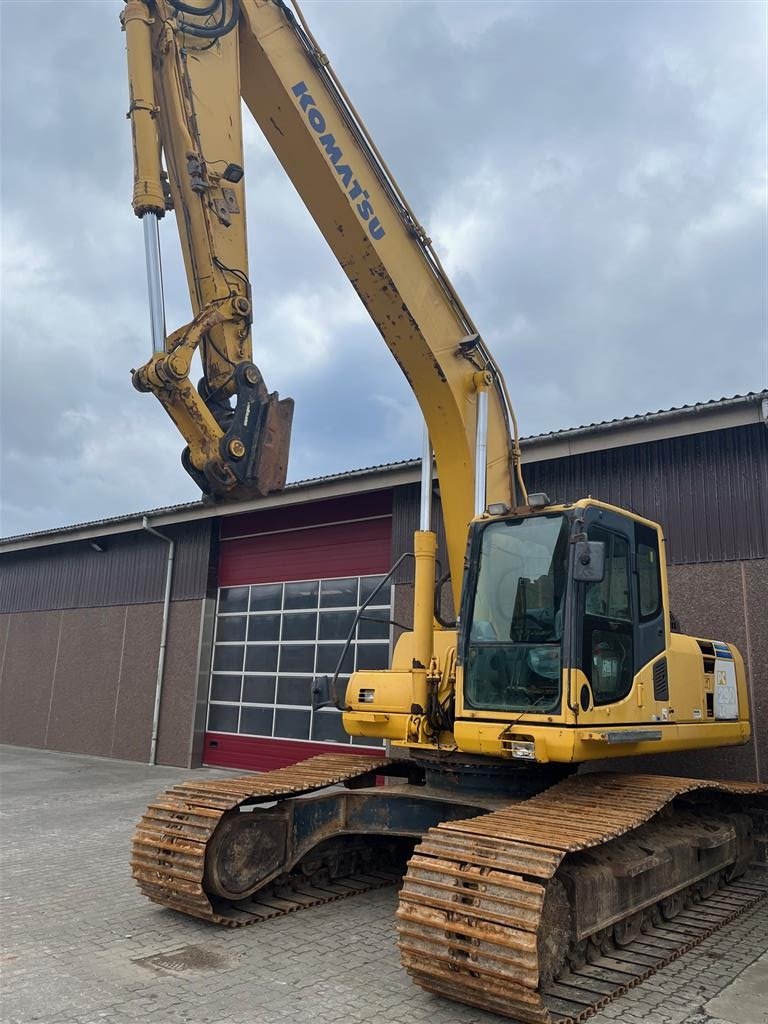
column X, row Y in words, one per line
column 130, row 570
column 709, row 600
column 27, row 676
column 135, row 701
column 177, row 711
column 755, row 577
column 83, row 680
column 86, row 681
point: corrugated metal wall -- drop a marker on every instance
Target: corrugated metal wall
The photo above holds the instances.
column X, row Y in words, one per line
column 709, row 492
column 130, row 570
column 405, row 520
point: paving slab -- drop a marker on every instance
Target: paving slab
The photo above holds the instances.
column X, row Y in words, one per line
column 745, row 999
column 80, row 945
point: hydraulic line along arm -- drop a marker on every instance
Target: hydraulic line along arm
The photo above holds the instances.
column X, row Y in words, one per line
column 185, row 105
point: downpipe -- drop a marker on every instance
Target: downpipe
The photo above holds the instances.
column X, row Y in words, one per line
column 163, row 635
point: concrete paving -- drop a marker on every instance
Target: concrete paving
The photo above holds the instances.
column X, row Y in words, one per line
column 80, row 945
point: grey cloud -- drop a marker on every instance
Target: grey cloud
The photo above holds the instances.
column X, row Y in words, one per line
column 592, row 172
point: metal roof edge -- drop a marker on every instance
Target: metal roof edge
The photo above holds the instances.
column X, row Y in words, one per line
column 722, row 414
column 340, row 485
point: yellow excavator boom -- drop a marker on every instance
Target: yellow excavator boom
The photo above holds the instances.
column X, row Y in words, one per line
column 194, row 84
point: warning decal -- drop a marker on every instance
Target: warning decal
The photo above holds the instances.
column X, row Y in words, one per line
column 726, row 694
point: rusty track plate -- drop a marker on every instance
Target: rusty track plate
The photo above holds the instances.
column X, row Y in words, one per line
column 169, row 844
column 470, row 910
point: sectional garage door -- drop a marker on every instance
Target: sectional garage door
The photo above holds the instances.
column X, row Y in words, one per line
column 290, row 583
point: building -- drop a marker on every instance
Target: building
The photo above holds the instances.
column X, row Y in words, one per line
column 260, row 595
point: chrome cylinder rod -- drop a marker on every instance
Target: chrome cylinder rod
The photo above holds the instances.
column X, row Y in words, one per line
column 154, row 280
column 425, row 513
column 481, row 451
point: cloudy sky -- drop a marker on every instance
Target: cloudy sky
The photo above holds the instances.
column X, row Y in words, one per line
column 593, row 175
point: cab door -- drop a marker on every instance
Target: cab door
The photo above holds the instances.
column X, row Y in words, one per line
column 622, row 619
column 607, row 656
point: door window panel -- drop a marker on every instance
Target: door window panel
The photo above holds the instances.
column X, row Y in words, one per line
column 607, row 659
column 263, row 687
column 301, row 595
column 222, row 717
column 263, row 627
column 233, row 599
column 609, row 598
column 297, row 658
column 228, row 658
column 226, row 688
column 267, row 597
column 338, row 593
column 327, row 727
column 256, row 721
column 335, row 625
column 374, row 625
column 258, row 690
column 231, row 628
column 300, row 626
column 261, row 657
column 292, row 724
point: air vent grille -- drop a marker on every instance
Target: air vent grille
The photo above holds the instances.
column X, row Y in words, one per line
column 708, row 654
column 660, row 680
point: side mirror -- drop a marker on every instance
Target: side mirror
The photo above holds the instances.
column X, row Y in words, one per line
column 589, row 561
column 324, row 694
column 321, row 693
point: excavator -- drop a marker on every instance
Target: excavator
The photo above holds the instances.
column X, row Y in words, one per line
column 533, row 884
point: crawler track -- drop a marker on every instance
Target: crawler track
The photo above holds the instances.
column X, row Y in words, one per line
column 483, row 914
column 474, row 911
column 169, row 844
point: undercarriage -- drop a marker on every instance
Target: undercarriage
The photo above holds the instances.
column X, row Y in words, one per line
column 540, row 908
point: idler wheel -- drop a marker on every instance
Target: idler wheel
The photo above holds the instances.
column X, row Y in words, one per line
column 246, row 850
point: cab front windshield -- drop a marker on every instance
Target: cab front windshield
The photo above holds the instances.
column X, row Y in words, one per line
column 514, row 652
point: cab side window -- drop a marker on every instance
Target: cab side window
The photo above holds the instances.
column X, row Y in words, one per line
column 610, row 597
column 607, row 659
column 648, row 579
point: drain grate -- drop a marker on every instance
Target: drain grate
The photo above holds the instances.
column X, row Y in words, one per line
column 184, row 960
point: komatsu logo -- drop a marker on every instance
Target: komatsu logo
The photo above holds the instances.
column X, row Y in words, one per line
column 354, row 189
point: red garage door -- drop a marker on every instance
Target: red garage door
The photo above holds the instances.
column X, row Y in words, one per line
column 290, row 583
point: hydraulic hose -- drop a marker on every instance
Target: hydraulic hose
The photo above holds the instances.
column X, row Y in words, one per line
column 215, row 31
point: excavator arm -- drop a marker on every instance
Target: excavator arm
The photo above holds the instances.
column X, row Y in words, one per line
column 189, row 64
column 185, row 108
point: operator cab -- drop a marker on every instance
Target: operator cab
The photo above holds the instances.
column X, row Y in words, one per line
column 558, row 589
